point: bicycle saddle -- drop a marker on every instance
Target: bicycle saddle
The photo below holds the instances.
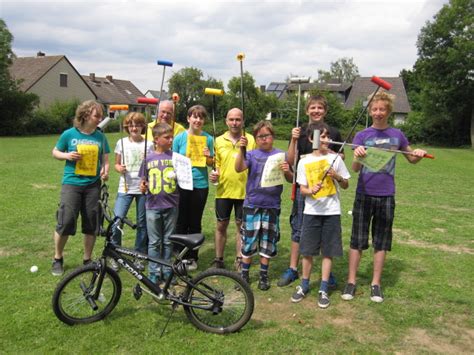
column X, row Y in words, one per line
column 190, row 241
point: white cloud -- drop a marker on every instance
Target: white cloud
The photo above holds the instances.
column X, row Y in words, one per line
column 125, row 38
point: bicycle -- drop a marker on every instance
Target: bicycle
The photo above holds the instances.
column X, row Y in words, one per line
column 216, row 300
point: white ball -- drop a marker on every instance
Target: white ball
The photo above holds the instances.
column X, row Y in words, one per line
column 349, row 212
column 34, row 268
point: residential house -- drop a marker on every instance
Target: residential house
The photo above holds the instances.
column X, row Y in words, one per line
column 112, row 91
column 363, row 87
column 52, row 78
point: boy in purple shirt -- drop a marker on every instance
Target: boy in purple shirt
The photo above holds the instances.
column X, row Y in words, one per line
column 260, row 230
column 159, row 184
column 375, row 195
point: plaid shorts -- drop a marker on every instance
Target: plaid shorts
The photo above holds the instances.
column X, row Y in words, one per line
column 260, row 231
column 377, row 211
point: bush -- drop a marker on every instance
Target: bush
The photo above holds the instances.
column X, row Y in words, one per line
column 413, row 127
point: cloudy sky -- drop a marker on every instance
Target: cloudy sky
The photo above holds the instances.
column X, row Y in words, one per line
column 126, row 38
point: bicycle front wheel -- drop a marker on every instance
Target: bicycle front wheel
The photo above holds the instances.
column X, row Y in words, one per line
column 221, row 301
column 76, row 300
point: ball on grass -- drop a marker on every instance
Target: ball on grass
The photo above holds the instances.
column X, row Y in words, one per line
column 34, row 268
column 349, row 212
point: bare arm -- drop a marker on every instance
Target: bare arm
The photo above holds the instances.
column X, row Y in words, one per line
column 71, row 156
column 240, row 164
column 417, row 155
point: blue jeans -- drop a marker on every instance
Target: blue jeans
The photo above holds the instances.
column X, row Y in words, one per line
column 122, row 205
column 160, row 226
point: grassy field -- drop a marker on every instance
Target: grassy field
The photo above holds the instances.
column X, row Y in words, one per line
column 428, row 279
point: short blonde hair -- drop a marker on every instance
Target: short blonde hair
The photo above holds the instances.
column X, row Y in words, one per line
column 84, row 110
column 382, row 96
column 133, row 117
column 161, row 128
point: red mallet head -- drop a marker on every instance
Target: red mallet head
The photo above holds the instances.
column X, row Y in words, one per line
column 164, row 63
column 175, row 97
column 118, row 107
column 147, row 100
column 382, row 83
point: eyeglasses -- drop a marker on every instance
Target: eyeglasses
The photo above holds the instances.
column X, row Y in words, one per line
column 264, row 136
column 134, row 126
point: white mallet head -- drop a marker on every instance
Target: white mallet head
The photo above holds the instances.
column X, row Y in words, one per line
column 316, row 138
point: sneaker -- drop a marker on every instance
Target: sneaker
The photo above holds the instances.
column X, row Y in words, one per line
column 218, row 263
column 323, row 300
column 57, row 268
column 332, row 284
column 114, row 265
column 192, row 266
column 288, row 277
column 349, row 292
column 299, row 294
column 246, row 277
column 264, row 282
column 376, row 294
column 139, row 265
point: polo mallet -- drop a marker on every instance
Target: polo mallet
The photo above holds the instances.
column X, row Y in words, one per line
column 121, row 108
column 147, row 101
column 299, row 81
column 380, row 84
column 111, row 117
column 164, row 63
column 175, row 99
column 214, row 93
column 240, row 58
column 317, row 143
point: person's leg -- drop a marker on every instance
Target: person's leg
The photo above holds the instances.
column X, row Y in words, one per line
column 379, row 260
column 354, row 260
column 198, row 203
column 182, row 224
column 222, row 216
column 169, row 221
column 154, row 229
column 323, row 298
column 121, row 207
column 89, row 215
column 89, row 242
column 141, row 239
column 59, row 244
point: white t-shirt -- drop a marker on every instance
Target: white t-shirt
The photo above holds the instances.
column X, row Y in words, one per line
column 328, row 205
column 133, row 153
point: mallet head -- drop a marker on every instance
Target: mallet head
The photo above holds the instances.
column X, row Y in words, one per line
column 147, row 100
column 316, row 138
column 215, row 92
column 175, row 97
column 118, row 107
column 380, row 82
column 300, row 79
column 240, row 56
column 164, row 63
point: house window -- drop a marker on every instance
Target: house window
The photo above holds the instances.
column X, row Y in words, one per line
column 63, row 80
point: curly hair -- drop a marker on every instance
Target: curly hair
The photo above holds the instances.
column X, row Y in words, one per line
column 84, row 110
column 382, row 96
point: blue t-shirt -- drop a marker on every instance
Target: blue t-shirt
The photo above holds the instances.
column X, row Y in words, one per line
column 162, row 186
column 257, row 196
column 68, row 142
column 382, row 182
column 200, row 177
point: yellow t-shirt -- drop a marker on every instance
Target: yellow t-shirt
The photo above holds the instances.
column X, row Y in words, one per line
column 231, row 183
column 178, row 128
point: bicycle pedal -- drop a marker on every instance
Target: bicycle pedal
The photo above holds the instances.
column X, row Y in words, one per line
column 137, row 292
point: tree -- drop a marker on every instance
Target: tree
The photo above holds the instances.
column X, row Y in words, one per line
column 445, row 64
column 343, row 70
column 189, row 84
column 15, row 105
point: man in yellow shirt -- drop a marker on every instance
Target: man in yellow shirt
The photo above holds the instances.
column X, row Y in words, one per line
column 230, row 192
column 166, row 115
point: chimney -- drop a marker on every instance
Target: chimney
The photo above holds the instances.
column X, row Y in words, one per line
column 109, row 78
column 92, row 76
column 40, row 54
column 262, row 88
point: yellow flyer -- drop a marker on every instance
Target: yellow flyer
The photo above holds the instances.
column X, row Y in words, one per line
column 314, row 173
column 87, row 166
column 194, row 150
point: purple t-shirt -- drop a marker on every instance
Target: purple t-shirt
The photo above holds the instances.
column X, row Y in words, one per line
column 380, row 183
column 257, row 196
column 162, row 186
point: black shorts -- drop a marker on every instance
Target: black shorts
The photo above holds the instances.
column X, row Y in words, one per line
column 321, row 234
column 224, row 208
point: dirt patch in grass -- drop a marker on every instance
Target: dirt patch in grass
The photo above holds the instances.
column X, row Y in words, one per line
column 44, row 186
column 4, row 252
column 426, row 245
column 454, row 339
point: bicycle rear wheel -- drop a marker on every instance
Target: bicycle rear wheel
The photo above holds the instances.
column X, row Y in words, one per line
column 74, row 300
column 222, row 302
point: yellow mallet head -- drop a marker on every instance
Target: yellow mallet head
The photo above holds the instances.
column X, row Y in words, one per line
column 240, row 56
column 215, row 92
column 118, row 108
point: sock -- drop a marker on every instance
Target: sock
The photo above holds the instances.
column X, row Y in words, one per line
column 332, row 279
column 305, row 284
column 324, row 286
column 60, row 260
column 263, row 269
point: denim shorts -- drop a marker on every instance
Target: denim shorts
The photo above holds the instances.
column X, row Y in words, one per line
column 75, row 199
column 321, row 235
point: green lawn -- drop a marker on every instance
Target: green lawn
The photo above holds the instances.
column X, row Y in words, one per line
column 428, row 279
